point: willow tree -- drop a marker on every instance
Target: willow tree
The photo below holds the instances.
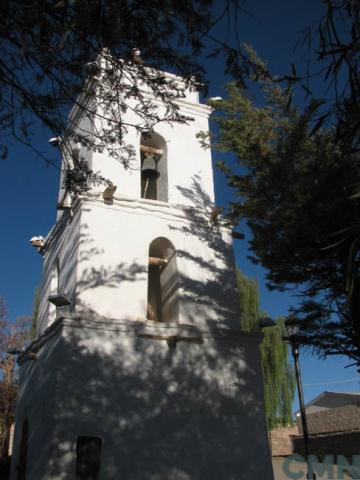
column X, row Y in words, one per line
column 249, row 302
column 279, row 382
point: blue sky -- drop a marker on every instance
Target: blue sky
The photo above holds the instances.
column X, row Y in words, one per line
column 28, row 190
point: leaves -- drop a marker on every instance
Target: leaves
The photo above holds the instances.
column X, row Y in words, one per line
column 319, row 123
column 55, row 56
column 279, row 382
column 12, row 335
column 292, row 180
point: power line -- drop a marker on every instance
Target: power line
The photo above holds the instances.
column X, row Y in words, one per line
column 333, row 382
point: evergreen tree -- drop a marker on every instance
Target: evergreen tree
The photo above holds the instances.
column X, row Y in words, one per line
column 279, row 381
column 298, row 191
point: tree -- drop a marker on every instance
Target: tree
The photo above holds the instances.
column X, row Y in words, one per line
column 334, row 43
column 98, row 55
column 297, row 189
column 249, row 302
column 55, row 53
column 279, row 378
column 279, row 382
column 12, row 336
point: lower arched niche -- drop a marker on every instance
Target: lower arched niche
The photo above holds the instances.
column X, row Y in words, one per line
column 163, row 282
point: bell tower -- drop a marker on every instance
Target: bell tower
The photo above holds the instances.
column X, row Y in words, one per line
column 140, row 369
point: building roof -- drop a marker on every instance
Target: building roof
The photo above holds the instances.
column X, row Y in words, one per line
column 350, row 397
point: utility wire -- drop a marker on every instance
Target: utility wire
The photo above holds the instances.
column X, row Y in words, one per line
column 333, row 382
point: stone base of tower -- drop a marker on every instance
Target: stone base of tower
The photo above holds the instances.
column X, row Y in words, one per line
column 166, row 401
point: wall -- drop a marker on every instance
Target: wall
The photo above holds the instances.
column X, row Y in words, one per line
column 190, row 175
column 194, row 412
column 113, row 262
column 62, row 247
column 35, row 401
column 191, row 412
column 280, row 440
column 346, row 444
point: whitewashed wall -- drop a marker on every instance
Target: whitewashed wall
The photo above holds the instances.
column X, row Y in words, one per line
column 189, row 165
column 103, row 256
column 191, row 413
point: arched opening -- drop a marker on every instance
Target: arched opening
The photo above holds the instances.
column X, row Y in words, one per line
column 53, row 289
column 154, row 181
column 23, row 450
column 163, row 282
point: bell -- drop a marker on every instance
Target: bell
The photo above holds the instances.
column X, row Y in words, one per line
column 149, row 168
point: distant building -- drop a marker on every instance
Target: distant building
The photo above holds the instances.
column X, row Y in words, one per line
column 329, row 400
column 333, row 420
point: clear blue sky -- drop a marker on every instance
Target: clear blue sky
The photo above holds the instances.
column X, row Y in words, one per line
column 29, row 189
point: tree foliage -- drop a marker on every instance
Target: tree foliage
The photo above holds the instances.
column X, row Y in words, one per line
column 249, row 302
column 298, row 182
column 98, row 55
column 279, row 385
column 334, row 42
column 48, row 47
column 279, row 378
column 13, row 335
column 297, row 190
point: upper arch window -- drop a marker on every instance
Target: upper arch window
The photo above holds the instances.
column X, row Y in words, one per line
column 154, row 179
column 163, row 282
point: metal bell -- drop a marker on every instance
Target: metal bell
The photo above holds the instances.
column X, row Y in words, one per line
column 149, row 168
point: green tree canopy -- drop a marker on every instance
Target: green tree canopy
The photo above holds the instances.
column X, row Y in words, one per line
column 249, row 302
column 297, row 190
column 279, row 379
column 279, row 385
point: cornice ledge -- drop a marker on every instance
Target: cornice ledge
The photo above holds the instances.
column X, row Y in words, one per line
column 154, row 206
column 145, row 330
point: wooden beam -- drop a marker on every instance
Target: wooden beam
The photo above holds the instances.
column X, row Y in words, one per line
column 171, row 338
column 160, row 262
column 146, row 149
column 109, row 191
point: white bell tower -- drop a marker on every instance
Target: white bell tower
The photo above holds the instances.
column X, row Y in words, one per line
column 140, row 370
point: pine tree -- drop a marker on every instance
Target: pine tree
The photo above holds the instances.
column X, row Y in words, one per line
column 279, row 382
